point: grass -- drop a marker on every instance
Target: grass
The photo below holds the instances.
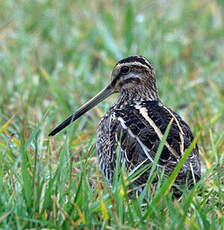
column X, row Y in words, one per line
column 54, row 56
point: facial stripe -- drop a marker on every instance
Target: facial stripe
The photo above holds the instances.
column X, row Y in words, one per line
column 129, row 76
column 137, row 59
column 144, row 113
column 129, row 80
column 125, row 79
column 134, row 64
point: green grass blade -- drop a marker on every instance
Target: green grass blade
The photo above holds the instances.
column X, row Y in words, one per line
column 155, row 162
column 168, row 183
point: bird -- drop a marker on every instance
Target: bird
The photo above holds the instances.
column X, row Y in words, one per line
column 135, row 125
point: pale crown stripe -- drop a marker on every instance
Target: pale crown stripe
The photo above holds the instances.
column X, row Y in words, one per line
column 134, row 63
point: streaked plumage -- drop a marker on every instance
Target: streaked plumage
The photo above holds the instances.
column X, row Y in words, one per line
column 136, row 124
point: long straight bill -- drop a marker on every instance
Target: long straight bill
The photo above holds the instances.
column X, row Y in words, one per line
column 106, row 92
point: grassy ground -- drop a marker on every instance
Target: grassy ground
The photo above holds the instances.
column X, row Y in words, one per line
column 54, row 56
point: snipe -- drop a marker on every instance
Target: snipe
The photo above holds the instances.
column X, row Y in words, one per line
column 136, row 124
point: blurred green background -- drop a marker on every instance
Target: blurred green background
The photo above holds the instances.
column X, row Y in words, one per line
column 55, row 55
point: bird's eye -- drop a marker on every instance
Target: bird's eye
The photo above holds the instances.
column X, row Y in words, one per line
column 124, row 69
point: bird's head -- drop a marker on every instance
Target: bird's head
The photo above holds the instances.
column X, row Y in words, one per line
column 133, row 76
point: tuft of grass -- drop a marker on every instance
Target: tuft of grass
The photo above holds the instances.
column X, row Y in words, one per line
column 54, row 56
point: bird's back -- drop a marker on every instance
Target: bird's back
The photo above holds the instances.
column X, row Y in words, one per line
column 137, row 130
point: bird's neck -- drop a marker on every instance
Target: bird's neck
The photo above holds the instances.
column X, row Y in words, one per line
column 130, row 97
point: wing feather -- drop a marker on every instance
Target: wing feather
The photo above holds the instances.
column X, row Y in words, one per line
column 137, row 130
